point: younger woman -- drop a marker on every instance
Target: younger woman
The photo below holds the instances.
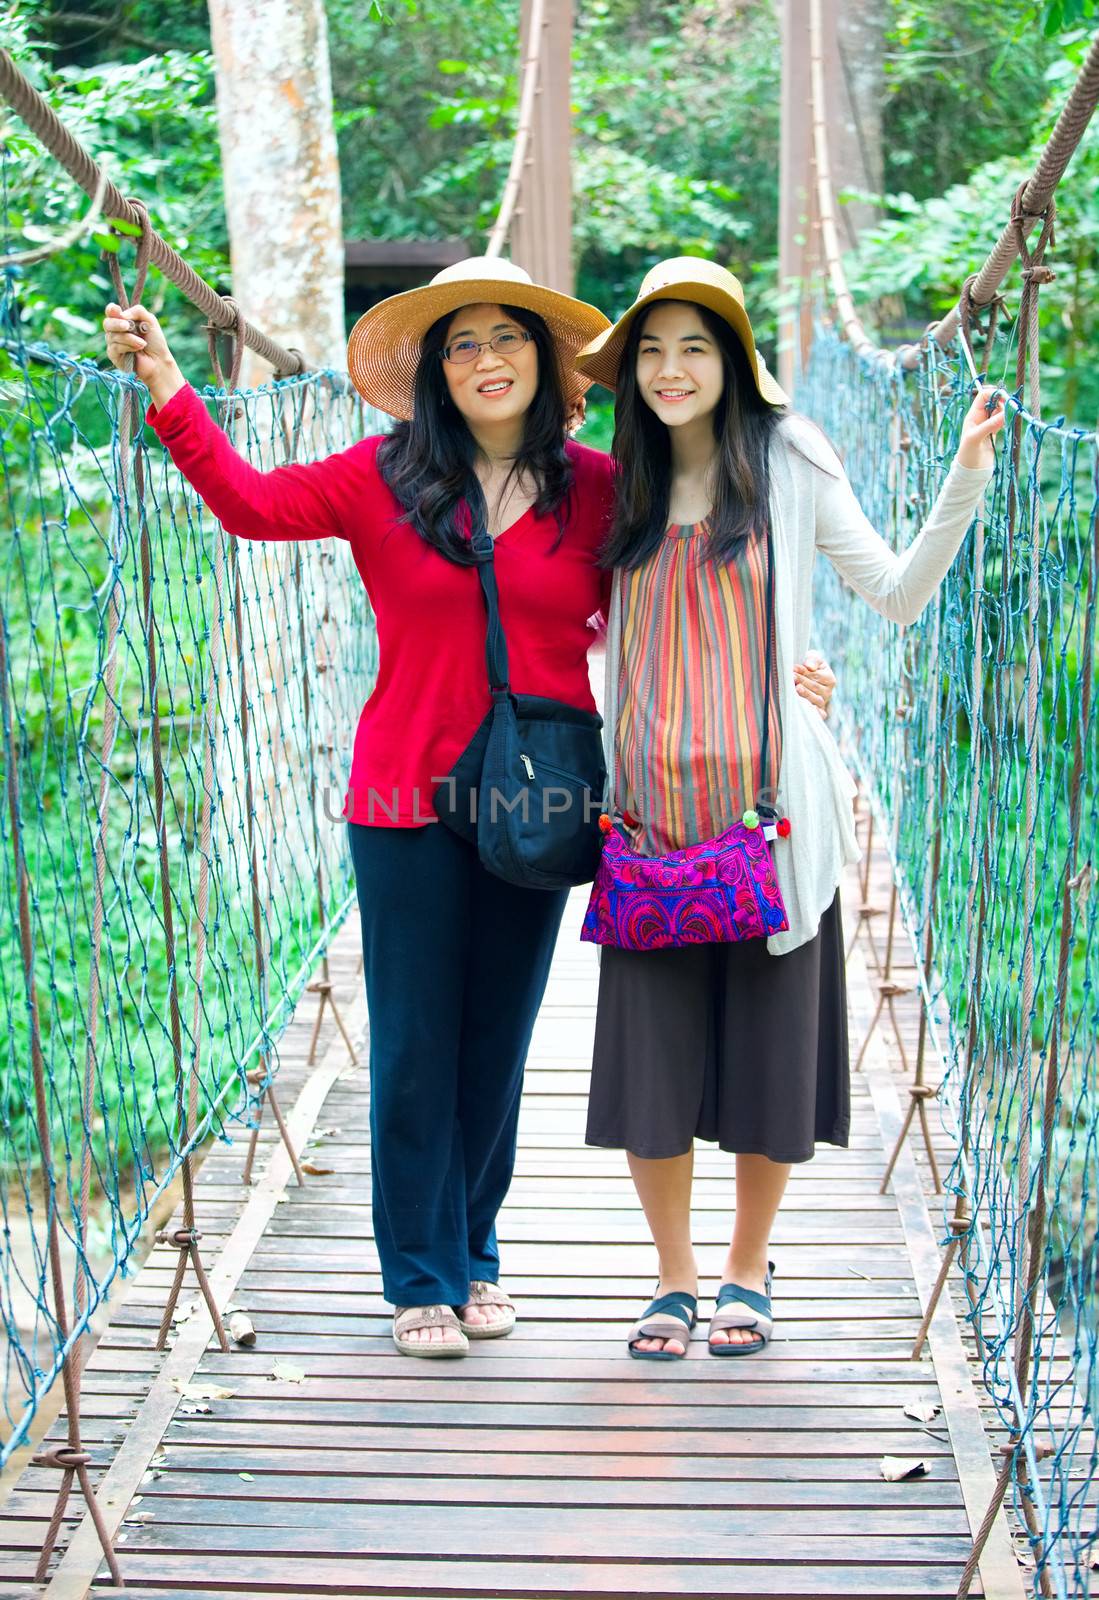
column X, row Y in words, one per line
column 723, row 500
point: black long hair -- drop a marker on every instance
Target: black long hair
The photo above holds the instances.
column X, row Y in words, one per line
column 743, row 423
column 428, row 463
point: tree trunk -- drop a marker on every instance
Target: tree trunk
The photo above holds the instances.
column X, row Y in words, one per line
column 282, row 178
column 282, row 199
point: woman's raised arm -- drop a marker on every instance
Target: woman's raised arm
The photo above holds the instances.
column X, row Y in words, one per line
column 901, row 585
column 291, row 502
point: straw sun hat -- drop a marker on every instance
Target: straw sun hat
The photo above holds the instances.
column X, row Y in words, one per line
column 682, row 278
column 383, row 351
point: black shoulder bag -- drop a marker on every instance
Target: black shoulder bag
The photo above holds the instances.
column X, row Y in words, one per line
column 528, row 788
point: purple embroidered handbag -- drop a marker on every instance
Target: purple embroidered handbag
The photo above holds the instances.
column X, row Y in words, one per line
column 717, row 892
column 712, row 893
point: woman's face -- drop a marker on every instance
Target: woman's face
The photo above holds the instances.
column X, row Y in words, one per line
column 679, row 368
column 495, row 385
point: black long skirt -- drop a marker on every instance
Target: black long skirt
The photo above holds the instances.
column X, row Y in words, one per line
column 726, row 1043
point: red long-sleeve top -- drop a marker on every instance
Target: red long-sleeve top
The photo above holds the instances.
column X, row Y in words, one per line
column 432, row 689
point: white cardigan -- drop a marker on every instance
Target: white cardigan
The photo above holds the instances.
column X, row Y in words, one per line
column 813, row 507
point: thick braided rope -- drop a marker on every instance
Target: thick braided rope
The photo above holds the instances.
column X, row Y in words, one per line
column 29, row 105
column 1034, row 196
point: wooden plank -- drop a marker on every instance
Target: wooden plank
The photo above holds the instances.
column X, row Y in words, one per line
column 521, row 1533
column 474, row 1580
column 178, row 1488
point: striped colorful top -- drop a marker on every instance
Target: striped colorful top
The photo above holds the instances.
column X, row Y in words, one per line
column 691, row 686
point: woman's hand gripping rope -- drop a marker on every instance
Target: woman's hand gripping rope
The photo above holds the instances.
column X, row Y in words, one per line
column 136, row 332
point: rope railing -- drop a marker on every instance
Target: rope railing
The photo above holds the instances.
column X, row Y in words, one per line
column 982, row 718
column 975, row 731
column 25, row 100
column 170, row 879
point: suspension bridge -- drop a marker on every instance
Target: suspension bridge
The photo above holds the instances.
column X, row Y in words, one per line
column 200, row 1394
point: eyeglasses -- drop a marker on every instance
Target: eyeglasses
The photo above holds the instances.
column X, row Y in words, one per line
column 505, row 344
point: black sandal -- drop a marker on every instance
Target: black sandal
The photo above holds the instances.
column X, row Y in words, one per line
column 743, row 1308
column 672, row 1316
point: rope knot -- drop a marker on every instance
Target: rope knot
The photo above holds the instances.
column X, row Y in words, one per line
column 1081, row 882
column 142, row 252
column 236, row 333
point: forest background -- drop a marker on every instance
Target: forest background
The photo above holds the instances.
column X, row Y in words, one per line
column 676, row 148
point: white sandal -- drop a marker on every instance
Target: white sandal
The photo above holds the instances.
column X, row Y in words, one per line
column 488, row 1294
column 406, row 1319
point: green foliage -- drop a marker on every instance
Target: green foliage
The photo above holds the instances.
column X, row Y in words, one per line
column 152, row 123
column 675, row 149
column 964, row 84
column 925, row 248
column 1058, row 15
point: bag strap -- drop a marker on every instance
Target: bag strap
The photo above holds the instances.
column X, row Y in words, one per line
column 770, row 604
column 496, row 645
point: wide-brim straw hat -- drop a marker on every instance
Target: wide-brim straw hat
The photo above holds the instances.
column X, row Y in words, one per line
column 681, row 278
column 383, row 351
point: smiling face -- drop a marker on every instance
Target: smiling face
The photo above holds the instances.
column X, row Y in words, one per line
column 498, row 385
column 680, row 373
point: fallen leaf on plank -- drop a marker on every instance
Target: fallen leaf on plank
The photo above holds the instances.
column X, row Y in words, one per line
column 246, row 1477
column 287, row 1372
column 201, row 1390
column 196, row 1408
column 184, row 1313
column 141, row 1516
column 894, row 1469
column 323, row 1133
column 922, row 1410
column 315, row 1169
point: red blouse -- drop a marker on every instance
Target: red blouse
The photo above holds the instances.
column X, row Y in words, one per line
column 432, row 691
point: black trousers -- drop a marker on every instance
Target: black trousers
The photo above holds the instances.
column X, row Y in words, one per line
column 456, row 963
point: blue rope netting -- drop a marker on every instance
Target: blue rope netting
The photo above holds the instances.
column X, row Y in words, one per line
column 78, row 729
column 977, row 727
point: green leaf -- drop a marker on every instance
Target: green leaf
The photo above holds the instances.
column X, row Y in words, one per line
column 452, row 66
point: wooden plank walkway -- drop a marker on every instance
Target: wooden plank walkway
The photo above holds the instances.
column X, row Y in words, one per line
column 548, row 1463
